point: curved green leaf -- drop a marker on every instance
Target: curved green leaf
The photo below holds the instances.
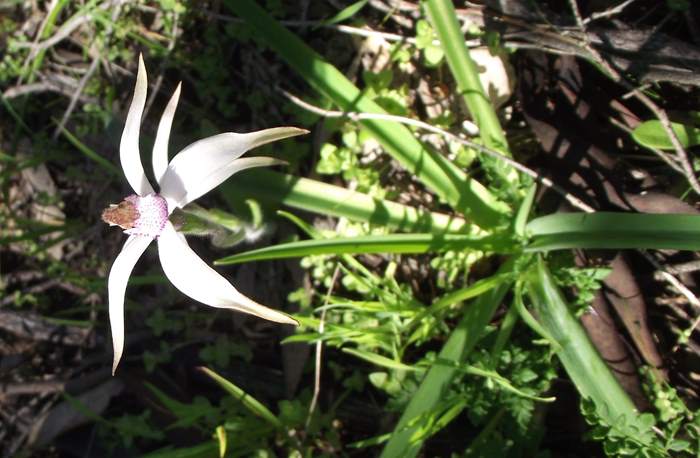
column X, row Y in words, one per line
column 615, row 231
column 585, row 367
column 326, row 199
column 393, row 243
column 652, row 135
column 443, row 17
column 252, row 404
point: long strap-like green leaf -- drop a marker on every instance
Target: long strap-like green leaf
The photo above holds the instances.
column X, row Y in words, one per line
column 614, row 230
column 464, row 194
column 326, row 199
column 444, row 20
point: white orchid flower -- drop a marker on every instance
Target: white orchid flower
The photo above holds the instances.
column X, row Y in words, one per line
column 194, row 171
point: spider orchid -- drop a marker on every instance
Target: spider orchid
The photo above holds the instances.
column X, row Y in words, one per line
column 194, row 171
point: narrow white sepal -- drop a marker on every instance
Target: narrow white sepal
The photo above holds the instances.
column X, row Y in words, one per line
column 207, row 163
column 160, row 147
column 193, row 277
column 129, row 153
column 116, row 285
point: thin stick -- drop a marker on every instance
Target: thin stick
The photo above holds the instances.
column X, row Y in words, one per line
column 672, row 280
column 612, row 11
column 159, row 80
column 86, row 77
column 39, row 33
column 319, row 349
column 681, row 288
column 66, row 29
column 573, row 200
column 642, row 97
column 347, row 29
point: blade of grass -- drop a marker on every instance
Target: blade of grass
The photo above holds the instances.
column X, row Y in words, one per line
column 501, row 381
column 381, row 361
column 476, row 289
column 255, row 406
column 614, row 230
column 326, row 199
column 204, row 450
column 481, row 443
column 437, row 380
column 442, row 16
column 346, row 13
column 523, row 213
column 464, row 194
column 392, row 243
column 90, row 153
column 46, row 33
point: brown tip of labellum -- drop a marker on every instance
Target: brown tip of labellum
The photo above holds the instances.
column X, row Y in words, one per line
column 123, row 215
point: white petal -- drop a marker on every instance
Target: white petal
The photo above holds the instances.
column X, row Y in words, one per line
column 219, row 176
column 129, row 153
column 116, row 285
column 160, row 147
column 195, row 278
column 207, row 163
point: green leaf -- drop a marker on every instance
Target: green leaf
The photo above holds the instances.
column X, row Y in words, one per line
column 392, row 243
column 346, row 13
column 580, row 359
column 443, row 18
column 524, row 211
column 476, row 289
column 433, row 55
column 255, row 406
column 381, row 361
column 438, row 378
column 90, row 153
column 463, row 193
column 528, row 319
column 501, row 381
column 331, row 160
column 614, row 230
column 424, row 34
column 326, row 199
column 651, row 134
column 187, row 414
column 222, row 438
column 205, row 450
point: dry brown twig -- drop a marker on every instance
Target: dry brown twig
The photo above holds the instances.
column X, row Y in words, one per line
column 37, row 37
column 612, row 11
column 86, row 77
column 65, row 30
column 659, row 112
column 319, row 349
column 159, row 80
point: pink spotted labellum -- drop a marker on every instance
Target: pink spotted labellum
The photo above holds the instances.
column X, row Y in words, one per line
column 194, row 171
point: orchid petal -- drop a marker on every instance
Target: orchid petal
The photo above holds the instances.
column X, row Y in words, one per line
column 160, row 147
column 129, row 153
column 193, row 277
column 207, row 163
column 219, row 176
column 118, row 278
